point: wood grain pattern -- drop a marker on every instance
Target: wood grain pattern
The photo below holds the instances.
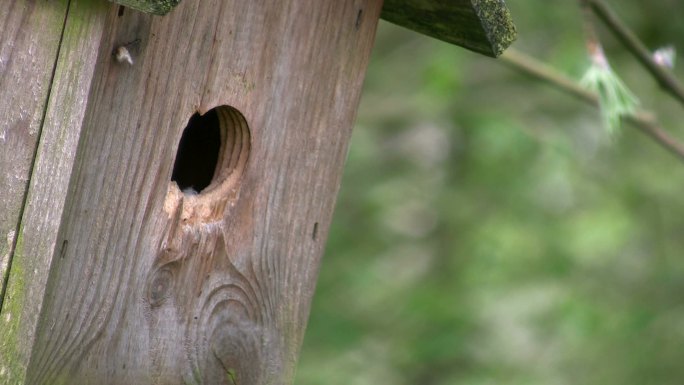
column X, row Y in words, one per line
column 27, row 59
column 483, row 26
column 50, row 177
column 30, row 33
column 140, row 294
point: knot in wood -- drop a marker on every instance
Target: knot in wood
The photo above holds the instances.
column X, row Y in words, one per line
column 160, row 286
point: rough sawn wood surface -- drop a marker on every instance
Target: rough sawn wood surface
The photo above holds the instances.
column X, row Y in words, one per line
column 142, row 284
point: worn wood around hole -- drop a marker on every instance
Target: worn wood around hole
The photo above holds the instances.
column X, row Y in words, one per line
column 137, row 295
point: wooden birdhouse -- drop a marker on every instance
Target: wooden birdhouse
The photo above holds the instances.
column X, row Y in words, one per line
column 168, row 181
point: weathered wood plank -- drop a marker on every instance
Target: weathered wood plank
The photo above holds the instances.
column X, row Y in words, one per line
column 484, row 26
column 27, row 57
column 47, row 192
column 152, row 286
column 30, row 32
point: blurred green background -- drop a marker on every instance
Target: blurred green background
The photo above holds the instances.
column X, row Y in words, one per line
column 490, row 231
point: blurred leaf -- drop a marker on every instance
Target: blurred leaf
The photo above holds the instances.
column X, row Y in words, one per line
column 488, row 232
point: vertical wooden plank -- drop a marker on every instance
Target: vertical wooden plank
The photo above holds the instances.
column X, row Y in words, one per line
column 30, row 33
column 154, row 286
column 47, row 192
column 29, row 36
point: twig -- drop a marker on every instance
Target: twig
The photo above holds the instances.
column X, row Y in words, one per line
column 615, row 98
column 542, row 71
column 664, row 77
column 593, row 43
column 643, row 120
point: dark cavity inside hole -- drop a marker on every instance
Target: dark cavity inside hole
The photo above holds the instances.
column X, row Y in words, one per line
column 198, row 153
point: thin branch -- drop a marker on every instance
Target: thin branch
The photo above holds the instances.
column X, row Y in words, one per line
column 542, row 71
column 593, row 43
column 664, row 77
column 643, row 120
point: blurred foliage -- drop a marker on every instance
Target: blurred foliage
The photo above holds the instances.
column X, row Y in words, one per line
column 489, row 231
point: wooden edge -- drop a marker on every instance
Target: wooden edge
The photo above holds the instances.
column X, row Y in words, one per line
column 483, row 26
column 156, row 7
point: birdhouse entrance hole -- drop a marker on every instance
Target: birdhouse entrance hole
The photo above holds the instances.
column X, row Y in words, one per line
column 213, row 147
